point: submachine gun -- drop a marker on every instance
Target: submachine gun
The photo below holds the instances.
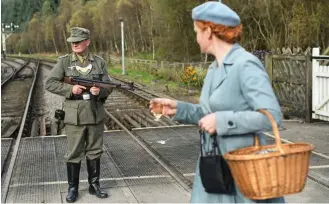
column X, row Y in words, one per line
column 88, row 83
column 97, row 83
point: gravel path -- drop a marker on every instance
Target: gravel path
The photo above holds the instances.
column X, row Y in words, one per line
column 51, row 101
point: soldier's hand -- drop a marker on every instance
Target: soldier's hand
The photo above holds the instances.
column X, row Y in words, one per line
column 94, row 90
column 77, row 89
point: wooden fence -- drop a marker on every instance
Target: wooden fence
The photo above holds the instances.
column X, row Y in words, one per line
column 290, row 74
column 159, row 64
column 291, row 77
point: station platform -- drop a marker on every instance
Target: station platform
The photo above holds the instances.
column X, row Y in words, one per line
column 129, row 173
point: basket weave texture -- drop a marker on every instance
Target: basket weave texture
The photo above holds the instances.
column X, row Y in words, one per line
column 270, row 171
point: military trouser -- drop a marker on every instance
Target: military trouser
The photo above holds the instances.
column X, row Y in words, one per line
column 84, row 140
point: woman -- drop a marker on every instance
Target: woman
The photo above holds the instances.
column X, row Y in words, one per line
column 235, row 87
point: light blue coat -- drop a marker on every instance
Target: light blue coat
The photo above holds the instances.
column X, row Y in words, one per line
column 234, row 90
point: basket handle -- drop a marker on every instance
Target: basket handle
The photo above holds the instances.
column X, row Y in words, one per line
column 275, row 131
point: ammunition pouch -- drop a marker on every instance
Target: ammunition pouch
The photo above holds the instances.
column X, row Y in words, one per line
column 59, row 116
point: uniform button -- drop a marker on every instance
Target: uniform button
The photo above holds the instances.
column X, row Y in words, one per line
column 230, row 123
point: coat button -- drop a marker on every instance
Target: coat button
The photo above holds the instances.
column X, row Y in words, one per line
column 230, row 123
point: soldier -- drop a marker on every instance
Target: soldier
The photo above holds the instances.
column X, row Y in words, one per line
column 84, row 111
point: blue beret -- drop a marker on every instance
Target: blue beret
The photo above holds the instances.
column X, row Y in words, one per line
column 217, row 13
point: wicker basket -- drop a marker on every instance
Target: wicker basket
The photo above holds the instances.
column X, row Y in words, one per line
column 281, row 170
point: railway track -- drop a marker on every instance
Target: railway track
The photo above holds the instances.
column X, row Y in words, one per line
column 7, row 72
column 15, row 95
column 126, row 111
column 128, row 107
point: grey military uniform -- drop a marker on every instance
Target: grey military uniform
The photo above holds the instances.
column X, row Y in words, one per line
column 83, row 127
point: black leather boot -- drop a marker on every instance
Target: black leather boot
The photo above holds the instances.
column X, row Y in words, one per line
column 73, row 171
column 93, row 167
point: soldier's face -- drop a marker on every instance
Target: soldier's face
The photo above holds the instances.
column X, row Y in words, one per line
column 80, row 47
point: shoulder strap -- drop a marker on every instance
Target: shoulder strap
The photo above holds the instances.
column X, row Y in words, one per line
column 63, row 56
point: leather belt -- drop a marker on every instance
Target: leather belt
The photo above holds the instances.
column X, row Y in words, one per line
column 83, row 96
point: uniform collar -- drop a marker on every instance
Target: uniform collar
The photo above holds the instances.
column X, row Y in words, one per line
column 74, row 57
column 91, row 57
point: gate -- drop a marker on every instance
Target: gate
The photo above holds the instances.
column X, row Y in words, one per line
column 291, row 77
column 320, row 98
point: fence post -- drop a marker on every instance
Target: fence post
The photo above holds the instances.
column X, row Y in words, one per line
column 308, row 101
column 269, row 66
column 315, row 88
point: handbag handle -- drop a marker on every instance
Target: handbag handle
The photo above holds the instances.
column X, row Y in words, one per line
column 214, row 143
column 275, row 129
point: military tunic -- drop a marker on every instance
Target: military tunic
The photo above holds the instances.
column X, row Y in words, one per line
column 84, row 128
column 234, row 90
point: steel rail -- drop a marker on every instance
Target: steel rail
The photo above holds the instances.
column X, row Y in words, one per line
column 7, row 180
column 21, row 66
column 143, row 90
column 179, row 177
column 35, row 59
column 11, row 75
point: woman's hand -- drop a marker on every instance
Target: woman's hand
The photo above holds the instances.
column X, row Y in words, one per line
column 169, row 106
column 208, row 123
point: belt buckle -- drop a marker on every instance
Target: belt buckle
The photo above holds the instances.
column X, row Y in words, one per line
column 86, row 96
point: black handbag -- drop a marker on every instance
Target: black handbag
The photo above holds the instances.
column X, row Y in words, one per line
column 215, row 173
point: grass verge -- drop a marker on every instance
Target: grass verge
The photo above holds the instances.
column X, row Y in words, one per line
column 155, row 84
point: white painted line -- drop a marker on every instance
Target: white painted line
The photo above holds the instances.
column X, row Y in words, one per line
column 6, row 138
column 106, row 131
column 292, row 121
column 190, row 174
column 109, row 131
column 85, row 181
column 104, row 179
column 38, row 137
column 159, row 127
column 319, row 167
column 287, row 141
column 270, row 135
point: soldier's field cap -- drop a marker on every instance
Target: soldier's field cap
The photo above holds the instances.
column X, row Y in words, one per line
column 78, row 34
column 216, row 12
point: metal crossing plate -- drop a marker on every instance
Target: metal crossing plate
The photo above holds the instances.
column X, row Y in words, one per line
column 128, row 173
column 5, row 148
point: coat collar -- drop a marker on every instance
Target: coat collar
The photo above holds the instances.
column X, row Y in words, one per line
column 233, row 54
column 230, row 56
column 220, row 75
column 215, row 77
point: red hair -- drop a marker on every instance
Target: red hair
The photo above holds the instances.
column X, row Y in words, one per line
column 225, row 33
